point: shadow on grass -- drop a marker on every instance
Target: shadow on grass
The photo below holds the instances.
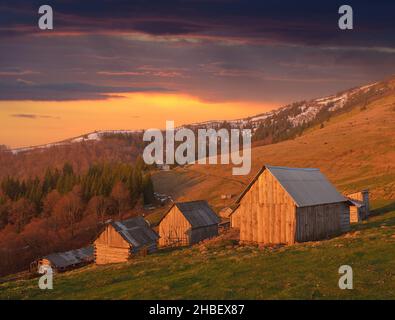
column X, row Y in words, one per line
column 385, row 209
column 168, row 249
column 376, row 218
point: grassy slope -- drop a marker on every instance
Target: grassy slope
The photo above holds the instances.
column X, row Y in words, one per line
column 223, row 270
column 355, row 150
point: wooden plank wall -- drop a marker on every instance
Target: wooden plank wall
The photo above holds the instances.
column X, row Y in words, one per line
column 344, row 217
column 354, row 217
column 266, row 213
column 356, row 196
column 199, row 234
column 110, row 247
column 321, row 221
column 105, row 254
column 173, row 229
column 235, row 219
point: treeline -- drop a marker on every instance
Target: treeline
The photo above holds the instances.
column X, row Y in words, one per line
column 108, row 189
column 123, row 148
column 64, row 210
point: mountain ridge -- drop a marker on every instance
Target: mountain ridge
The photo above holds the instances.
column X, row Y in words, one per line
column 301, row 112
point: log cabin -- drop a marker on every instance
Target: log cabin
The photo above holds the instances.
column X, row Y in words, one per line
column 359, row 206
column 121, row 240
column 64, row 261
column 187, row 223
column 284, row 205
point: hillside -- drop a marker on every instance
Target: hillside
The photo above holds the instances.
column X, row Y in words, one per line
column 80, row 152
column 220, row 269
column 355, row 149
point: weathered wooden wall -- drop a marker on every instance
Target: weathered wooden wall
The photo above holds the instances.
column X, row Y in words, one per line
column 266, row 213
column 321, row 221
column 174, row 229
column 199, row 234
column 358, row 214
column 110, row 247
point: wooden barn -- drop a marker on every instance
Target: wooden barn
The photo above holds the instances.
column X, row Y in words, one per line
column 121, row 240
column 286, row 205
column 359, row 206
column 64, row 261
column 187, row 223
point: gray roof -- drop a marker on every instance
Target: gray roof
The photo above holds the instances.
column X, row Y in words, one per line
column 356, row 203
column 306, row 186
column 136, row 231
column 198, row 213
column 70, row 258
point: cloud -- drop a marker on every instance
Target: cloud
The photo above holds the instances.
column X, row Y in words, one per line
column 32, row 116
column 305, row 22
column 8, row 71
column 147, row 71
column 67, row 91
column 218, row 50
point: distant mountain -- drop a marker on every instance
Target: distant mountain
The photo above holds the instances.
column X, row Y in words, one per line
column 278, row 125
column 93, row 136
column 283, row 120
column 291, row 120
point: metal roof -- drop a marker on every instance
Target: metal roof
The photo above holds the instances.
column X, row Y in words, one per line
column 136, row 231
column 198, row 213
column 306, row 186
column 72, row 257
column 356, row 203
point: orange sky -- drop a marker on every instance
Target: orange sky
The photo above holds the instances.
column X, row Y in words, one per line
column 26, row 123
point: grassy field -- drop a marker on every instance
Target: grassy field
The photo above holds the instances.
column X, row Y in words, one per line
column 221, row 269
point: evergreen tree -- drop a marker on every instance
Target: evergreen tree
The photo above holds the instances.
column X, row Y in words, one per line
column 148, row 189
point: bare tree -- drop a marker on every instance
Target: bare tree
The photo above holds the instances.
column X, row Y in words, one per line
column 122, row 197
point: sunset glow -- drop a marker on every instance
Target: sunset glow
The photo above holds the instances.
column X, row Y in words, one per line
column 30, row 123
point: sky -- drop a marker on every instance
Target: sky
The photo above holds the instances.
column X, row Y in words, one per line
column 125, row 64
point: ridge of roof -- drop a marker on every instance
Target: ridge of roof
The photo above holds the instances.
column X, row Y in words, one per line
column 204, row 216
column 318, row 189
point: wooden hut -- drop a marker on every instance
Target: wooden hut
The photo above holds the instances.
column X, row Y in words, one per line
column 121, row 240
column 359, row 206
column 225, row 212
column 186, row 223
column 286, row 205
column 64, row 261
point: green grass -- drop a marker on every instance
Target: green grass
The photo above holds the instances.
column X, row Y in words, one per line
column 224, row 270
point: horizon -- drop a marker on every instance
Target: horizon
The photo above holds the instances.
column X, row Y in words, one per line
column 65, row 138
column 135, row 65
